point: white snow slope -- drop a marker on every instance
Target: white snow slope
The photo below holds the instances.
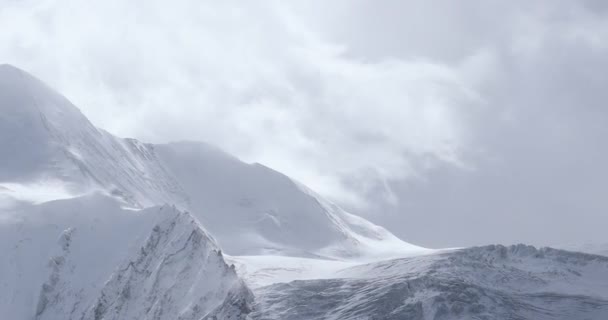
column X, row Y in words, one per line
column 492, row 282
column 251, row 209
column 97, row 227
column 47, row 143
column 256, row 210
column 87, row 258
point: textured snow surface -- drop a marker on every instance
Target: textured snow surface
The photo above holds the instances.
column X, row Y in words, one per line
column 43, row 137
column 87, row 258
column 493, row 282
column 51, row 151
column 177, row 274
column 264, row 270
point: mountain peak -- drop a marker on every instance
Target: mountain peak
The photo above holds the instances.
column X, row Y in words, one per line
column 35, row 121
column 49, row 139
column 6, row 68
column 20, row 89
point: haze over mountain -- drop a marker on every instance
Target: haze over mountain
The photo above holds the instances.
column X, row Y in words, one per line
column 381, row 109
column 93, row 226
column 249, row 207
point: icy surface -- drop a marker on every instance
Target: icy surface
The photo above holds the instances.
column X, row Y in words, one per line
column 264, row 270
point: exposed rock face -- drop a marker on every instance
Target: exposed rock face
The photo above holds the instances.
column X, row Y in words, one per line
column 178, row 274
column 57, row 295
column 111, row 263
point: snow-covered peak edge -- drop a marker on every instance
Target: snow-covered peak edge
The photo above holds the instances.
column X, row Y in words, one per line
column 50, row 144
column 256, row 210
column 177, row 272
column 488, row 282
column 54, row 151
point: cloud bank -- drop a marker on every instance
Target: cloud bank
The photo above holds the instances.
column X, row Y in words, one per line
column 450, row 123
column 253, row 78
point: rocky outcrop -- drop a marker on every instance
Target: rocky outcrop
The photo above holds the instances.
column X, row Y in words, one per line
column 177, row 272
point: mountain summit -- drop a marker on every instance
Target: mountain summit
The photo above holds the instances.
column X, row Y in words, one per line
column 251, row 209
column 49, row 143
column 34, row 121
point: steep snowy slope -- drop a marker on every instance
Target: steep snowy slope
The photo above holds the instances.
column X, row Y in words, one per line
column 493, row 282
column 256, row 210
column 86, row 258
column 47, row 143
column 178, row 273
column 51, row 151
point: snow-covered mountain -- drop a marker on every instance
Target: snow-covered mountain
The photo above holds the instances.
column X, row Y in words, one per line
column 256, row 210
column 251, row 209
column 88, row 258
column 93, row 226
column 49, row 145
column 492, row 282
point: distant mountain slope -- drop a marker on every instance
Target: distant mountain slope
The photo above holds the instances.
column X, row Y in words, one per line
column 86, row 258
column 49, row 145
column 492, row 282
column 256, row 210
column 45, row 139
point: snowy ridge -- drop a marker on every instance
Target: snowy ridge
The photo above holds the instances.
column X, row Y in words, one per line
column 592, row 248
column 251, row 209
column 50, row 141
column 96, row 227
column 87, row 258
column 57, row 295
column 492, row 282
column 178, row 274
column 256, row 210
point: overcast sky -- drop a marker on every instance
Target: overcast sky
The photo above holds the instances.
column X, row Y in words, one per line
column 451, row 123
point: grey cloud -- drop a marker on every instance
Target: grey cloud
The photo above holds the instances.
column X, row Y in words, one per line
column 537, row 170
column 453, row 123
column 253, row 78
